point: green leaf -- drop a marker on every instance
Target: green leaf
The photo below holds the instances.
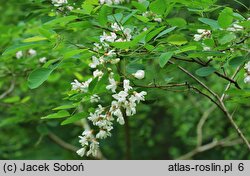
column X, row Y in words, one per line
column 68, row 106
column 142, row 6
column 125, row 19
column 205, row 71
column 142, row 18
column 177, row 21
column 93, row 84
column 238, row 16
column 158, row 7
column 165, row 32
column 133, row 67
column 126, row 45
column 236, row 61
column 34, row 39
column 227, row 38
column 185, row 49
column 154, row 33
column 20, row 47
column 164, row 58
column 212, row 23
column 38, row 76
column 71, row 53
column 61, row 20
column 103, row 19
column 75, row 118
column 59, row 114
column 225, row 18
column 203, row 54
column 100, row 85
column 176, row 39
column 12, row 99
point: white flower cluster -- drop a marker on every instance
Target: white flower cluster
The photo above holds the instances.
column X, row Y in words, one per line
column 202, row 33
column 62, row 5
column 247, row 68
column 83, row 87
column 153, row 16
column 110, row 2
column 31, row 53
column 58, row 3
column 123, row 102
column 235, row 27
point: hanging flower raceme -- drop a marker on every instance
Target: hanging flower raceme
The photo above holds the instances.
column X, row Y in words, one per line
column 124, row 100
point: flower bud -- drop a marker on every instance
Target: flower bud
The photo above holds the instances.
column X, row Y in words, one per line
column 140, row 74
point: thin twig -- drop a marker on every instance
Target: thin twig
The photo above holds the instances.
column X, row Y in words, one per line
column 220, row 103
column 201, row 123
column 62, row 143
column 222, row 143
column 9, row 90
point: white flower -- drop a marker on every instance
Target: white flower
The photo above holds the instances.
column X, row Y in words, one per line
column 19, row 54
column 110, row 53
column 116, row 27
column 87, row 133
column 247, row 79
column 115, row 61
column 238, row 27
column 93, row 148
column 42, row 59
column 145, row 29
column 98, row 73
column 126, row 85
column 140, row 96
column 108, row 38
column 85, row 85
column 206, row 48
column 120, row 40
column 112, row 85
column 94, row 98
column 247, row 66
column 76, row 85
column 97, row 47
column 114, row 105
column 70, row 8
column 95, row 62
column 109, row 2
column 83, row 140
column 93, row 117
column 121, row 96
column 119, row 116
column 127, row 33
column 32, row 52
column 130, row 106
column 158, row 20
column 81, row 152
column 200, row 31
column 197, row 37
column 102, row 134
column 139, row 74
column 59, row 2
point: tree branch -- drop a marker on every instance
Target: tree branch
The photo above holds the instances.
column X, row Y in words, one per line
column 220, row 103
column 62, row 143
